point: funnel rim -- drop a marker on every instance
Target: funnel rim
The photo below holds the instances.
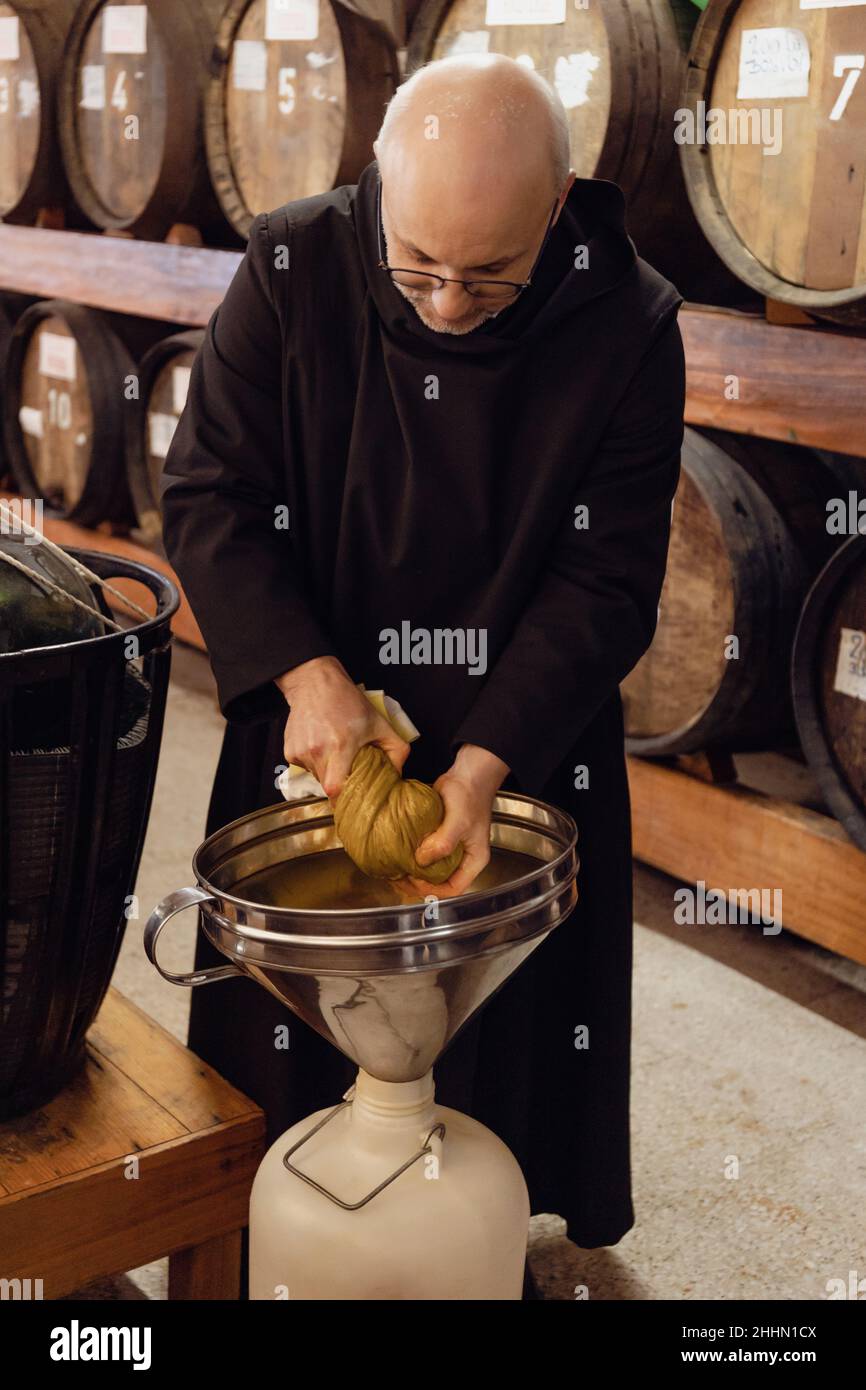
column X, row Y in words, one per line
column 351, row 972
column 569, row 827
column 414, row 937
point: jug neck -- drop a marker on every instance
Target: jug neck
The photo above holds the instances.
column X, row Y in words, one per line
column 393, row 1104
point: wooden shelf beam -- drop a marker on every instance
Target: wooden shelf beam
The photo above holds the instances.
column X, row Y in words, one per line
column 802, row 384
column 732, row 838
column 147, row 278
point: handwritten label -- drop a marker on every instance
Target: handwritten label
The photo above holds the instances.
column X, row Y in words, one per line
column 828, row 4
column 525, row 12
column 249, row 65
column 472, row 41
column 161, row 430
column 124, row 29
column 291, row 20
column 10, row 50
column 774, row 63
column 93, row 87
column 57, row 356
column 572, row 75
column 28, row 97
column 850, row 678
column 30, row 421
column 180, row 388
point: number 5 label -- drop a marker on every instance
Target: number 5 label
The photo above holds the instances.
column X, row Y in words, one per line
column 852, row 64
column 287, row 90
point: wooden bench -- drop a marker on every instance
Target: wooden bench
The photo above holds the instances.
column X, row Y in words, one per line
column 148, row 1152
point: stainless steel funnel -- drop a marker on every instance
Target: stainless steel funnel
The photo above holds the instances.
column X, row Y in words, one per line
column 389, row 984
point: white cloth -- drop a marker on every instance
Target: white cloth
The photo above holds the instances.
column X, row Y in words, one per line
column 296, row 782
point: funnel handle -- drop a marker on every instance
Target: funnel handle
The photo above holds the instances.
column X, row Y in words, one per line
column 176, row 902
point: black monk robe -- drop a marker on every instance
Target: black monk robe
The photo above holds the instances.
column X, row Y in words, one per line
column 435, row 480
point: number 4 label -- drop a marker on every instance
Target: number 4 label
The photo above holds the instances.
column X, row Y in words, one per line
column 852, row 64
column 118, row 96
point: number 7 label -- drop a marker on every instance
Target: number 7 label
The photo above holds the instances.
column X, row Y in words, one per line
column 852, row 64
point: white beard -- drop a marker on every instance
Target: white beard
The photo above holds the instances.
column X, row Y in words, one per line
column 417, row 298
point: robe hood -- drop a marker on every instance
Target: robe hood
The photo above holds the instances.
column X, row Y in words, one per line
column 593, row 215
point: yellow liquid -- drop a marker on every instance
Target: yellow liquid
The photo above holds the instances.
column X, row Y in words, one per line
column 331, row 881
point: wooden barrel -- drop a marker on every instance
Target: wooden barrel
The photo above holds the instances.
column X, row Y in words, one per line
column 163, row 383
column 829, row 683
column 71, row 401
column 749, row 531
column 32, row 181
column 792, row 224
column 6, row 326
column 295, row 102
column 131, row 97
column 619, row 67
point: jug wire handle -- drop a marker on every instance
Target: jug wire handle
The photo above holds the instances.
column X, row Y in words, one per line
column 174, row 903
column 438, row 1129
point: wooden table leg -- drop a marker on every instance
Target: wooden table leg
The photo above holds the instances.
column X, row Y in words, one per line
column 211, row 1270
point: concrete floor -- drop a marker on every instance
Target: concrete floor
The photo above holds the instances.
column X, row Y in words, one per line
column 749, row 1057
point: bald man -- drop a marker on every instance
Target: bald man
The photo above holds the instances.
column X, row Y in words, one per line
column 465, row 391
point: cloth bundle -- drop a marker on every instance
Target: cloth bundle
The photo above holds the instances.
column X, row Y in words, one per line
column 382, row 818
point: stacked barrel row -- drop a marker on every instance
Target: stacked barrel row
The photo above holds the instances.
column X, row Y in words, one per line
column 91, row 404
column 183, row 118
column 759, row 105
column 761, row 631
column 738, row 135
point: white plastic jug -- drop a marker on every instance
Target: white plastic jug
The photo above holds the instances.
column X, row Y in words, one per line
column 452, row 1225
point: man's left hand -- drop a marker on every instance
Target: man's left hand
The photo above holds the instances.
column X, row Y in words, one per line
column 467, row 789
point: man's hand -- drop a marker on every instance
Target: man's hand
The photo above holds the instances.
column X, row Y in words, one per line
column 330, row 720
column 467, row 789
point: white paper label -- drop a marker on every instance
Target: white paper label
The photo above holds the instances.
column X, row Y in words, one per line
column 180, row 388
column 28, row 97
column 525, row 12
column 30, row 421
column 124, row 29
column 850, row 676
column 161, row 429
column 773, row 63
column 249, row 65
column 10, row 50
column 828, row 4
column 473, row 41
column 57, row 356
column 292, row 19
column 93, row 87
column 572, row 75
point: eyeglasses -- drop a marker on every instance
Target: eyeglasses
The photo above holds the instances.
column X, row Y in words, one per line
column 481, row 289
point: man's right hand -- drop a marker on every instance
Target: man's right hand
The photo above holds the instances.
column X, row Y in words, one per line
column 330, row 720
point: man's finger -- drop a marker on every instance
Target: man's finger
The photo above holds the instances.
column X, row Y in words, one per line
column 336, row 769
column 442, row 841
column 470, row 866
column 396, row 748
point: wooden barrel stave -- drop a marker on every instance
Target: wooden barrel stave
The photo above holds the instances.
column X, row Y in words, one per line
column 769, row 503
column 69, row 410
column 288, row 118
column 792, row 224
column 829, row 684
column 163, row 394
column 131, row 117
column 32, row 179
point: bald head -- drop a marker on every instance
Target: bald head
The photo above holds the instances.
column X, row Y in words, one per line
column 473, row 154
column 477, row 116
